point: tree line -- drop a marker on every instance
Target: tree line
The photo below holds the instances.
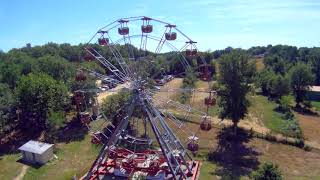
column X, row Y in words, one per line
column 36, row 82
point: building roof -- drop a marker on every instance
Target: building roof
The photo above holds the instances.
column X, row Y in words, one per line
column 35, row 147
column 315, row 88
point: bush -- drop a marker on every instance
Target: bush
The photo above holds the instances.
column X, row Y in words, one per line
column 284, row 103
column 299, row 143
column 307, row 148
column 268, row 171
column 188, row 83
column 307, row 104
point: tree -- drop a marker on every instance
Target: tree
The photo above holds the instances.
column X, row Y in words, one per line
column 188, row 82
column 56, row 67
column 267, row 171
column 315, row 63
column 37, row 95
column 6, row 108
column 262, row 80
column 278, row 86
column 276, row 63
column 111, row 105
column 233, row 86
column 10, row 74
column 300, row 79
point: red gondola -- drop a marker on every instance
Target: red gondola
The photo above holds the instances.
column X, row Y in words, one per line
column 170, row 36
column 191, row 52
column 193, row 146
column 103, row 41
column 88, row 57
column 146, row 29
column 123, row 30
column 80, row 76
column 210, row 101
column 85, row 118
column 205, row 124
column 96, row 139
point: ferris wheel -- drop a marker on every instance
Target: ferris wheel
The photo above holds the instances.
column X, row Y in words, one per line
column 139, row 53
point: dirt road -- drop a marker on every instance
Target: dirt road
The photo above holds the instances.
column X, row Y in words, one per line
column 109, row 92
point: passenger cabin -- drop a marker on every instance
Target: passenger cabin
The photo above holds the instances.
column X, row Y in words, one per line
column 170, row 36
column 85, row 117
column 191, row 52
column 123, row 30
column 146, row 28
column 103, row 41
column 36, row 152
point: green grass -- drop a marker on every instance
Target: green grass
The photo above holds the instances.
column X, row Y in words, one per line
column 9, row 168
column 264, row 110
column 74, row 158
column 316, row 105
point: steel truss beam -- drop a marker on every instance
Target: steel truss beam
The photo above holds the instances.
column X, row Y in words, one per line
column 170, row 145
column 107, row 148
column 114, row 70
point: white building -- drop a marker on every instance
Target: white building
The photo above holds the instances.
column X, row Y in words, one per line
column 36, row 152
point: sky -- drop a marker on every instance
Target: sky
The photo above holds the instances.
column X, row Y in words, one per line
column 214, row 24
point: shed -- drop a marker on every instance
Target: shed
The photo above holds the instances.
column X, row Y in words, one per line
column 313, row 93
column 36, row 152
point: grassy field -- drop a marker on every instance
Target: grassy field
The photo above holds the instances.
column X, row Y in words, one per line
column 259, row 64
column 9, row 167
column 74, row 159
column 316, row 105
column 265, row 111
column 294, row 163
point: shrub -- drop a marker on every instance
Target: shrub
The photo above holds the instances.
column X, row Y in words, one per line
column 284, row 103
column 299, row 143
column 307, row 104
column 307, row 147
column 268, row 171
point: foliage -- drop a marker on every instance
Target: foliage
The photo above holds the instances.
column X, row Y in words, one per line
column 276, row 64
column 301, row 78
column 262, row 80
column 284, row 103
column 112, row 104
column 38, row 94
column 268, row 171
column 233, row 86
column 188, row 83
column 315, row 64
column 6, row 108
column 56, row 67
column 278, row 86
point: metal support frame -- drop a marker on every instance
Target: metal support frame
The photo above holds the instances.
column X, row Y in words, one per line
column 173, row 150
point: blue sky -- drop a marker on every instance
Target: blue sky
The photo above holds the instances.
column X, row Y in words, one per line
column 213, row 24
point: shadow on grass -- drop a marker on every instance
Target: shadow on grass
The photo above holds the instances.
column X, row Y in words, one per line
column 233, row 156
column 73, row 131
column 34, row 165
column 305, row 111
column 13, row 140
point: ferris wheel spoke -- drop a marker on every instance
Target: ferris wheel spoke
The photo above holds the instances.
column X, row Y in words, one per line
column 114, row 70
column 179, row 125
column 104, row 153
column 161, row 42
column 168, row 101
column 168, row 141
column 120, row 60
